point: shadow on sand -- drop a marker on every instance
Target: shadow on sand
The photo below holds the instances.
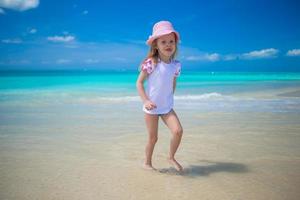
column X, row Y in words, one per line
column 207, row 168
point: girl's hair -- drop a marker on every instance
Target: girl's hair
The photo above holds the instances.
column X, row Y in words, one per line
column 153, row 52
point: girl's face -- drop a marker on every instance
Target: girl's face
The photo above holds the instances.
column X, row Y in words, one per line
column 166, row 46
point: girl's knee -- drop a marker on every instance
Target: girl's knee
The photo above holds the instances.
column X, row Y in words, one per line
column 153, row 139
column 178, row 132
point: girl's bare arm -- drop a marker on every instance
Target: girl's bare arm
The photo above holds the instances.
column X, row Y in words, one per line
column 141, row 90
column 174, row 84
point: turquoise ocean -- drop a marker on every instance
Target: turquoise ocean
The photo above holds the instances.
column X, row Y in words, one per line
column 206, row 91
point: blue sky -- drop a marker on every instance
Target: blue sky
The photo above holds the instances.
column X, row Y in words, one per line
column 228, row 35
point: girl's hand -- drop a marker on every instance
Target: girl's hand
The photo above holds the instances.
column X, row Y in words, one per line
column 149, row 105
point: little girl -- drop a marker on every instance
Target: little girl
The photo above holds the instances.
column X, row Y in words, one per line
column 160, row 70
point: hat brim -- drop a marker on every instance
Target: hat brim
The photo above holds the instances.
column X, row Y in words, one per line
column 153, row 37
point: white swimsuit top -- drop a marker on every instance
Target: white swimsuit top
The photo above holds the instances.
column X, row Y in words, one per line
column 160, row 84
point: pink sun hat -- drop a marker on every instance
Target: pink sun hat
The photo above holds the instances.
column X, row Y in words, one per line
column 161, row 28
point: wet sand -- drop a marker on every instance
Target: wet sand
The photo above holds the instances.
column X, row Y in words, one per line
column 225, row 156
column 291, row 94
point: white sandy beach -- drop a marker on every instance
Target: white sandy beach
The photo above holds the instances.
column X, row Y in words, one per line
column 226, row 156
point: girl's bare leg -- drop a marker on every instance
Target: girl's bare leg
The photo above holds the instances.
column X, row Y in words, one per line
column 173, row 123
column 152, row 127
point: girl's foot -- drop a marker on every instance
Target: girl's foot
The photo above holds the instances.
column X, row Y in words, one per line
column 148, row 167
column 177, row 166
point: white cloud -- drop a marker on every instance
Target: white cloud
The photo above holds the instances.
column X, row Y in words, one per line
column 193, row 54
column 192, row 58
column 293, row 52
column 212, row 57
column 20, row 5
column 32, row 31
column 2, row 11
column 67, row 38
column 264, row 53
column 204, row 57
column 12, row 41
column 88, row 54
